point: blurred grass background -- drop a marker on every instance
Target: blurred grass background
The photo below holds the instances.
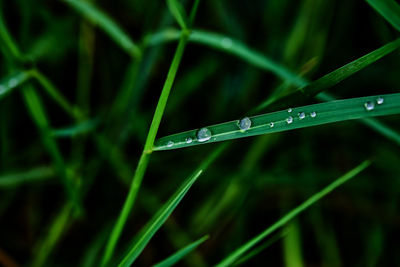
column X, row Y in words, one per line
column 251, row 185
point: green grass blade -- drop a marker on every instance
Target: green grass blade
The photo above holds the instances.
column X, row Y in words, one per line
column 177, row 10
column 292, row 214
column 177, row 256
column 329, row 112
column 144, row 159
column 92, row 13
column 7, row 41
column 34, row 175
column 389, row 9
column 39, row 117
column 79, row 129
column 157, row 221
column 7, row 84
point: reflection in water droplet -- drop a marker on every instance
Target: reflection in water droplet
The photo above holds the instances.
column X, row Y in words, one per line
column 271, row 124
column 12, row 83
column 313, row 114
column 380, row 100
column 170, row 143
column 226, row 43
column 302, row 115
column 369, row 105
column 203, row 135
column 244, row 123
column 289, row 120
column 289, row 110
column 189, row 140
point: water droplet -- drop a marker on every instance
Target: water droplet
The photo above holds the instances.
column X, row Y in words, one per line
column 379, row 101
column 12, row 83
column 189, row 140
column 244, row 123
column 369, row 105
column 226, row 42
column 289, row 110
column 170, row 143
column 302, row 115
column 271, row 124
column 203, row 135
column 313, row 114
column 289, row 120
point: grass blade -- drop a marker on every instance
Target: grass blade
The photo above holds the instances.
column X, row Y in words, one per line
column 177, row 256
column 293, row 213
column 177, row 10
column 39, row 116
column 9, row 83
column 300, row 117
column 34, row 175
column 81, row 128
column 98, row 17
column 388, row 9
column 157, row 221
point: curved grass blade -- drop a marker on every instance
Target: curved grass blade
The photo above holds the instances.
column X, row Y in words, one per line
column 388, row 9
column 92, row 13
column 7, row 84
column 294, row 118
column 177, row 10
column 157, row 221
column 292, row 214
column 177, row 256
column 34, row 175
column 80, row 128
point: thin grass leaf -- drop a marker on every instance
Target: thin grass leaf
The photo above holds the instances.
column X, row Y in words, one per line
column 178, row 12
column 388, row 9
column 292, row 214
column 7, row 84
column 80, row 128
column 39, row 117
column 294, row 118
column 92, row 13
column 157, row 221
column 31, row 176
column 177, row 256
column 8, row 43
column 145, row 156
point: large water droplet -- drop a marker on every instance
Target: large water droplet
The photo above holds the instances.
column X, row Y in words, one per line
column 379, row 101
column 271, row 124
column 244, row 123
column 226, row 42
column 12, row 83
column 289, row 110
column 302, row 115
column 189, row 140
column 204, row 134
column 289, row 120
column 369, row 105
column 170, row 143
column 313, row 114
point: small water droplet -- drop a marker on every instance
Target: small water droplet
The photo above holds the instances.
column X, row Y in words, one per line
column 302, row 115
column 289, row 110
column 12, row 83
column 226, row 42
column 204, row 134
column 244, row 123
column 189, row 140
column 271, row 124
column 369, row 105
column 313, row 114
column 379, row 101
column 170, row 143
column 289, row 120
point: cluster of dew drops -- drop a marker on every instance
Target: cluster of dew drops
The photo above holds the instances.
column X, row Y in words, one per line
column 204, row 134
